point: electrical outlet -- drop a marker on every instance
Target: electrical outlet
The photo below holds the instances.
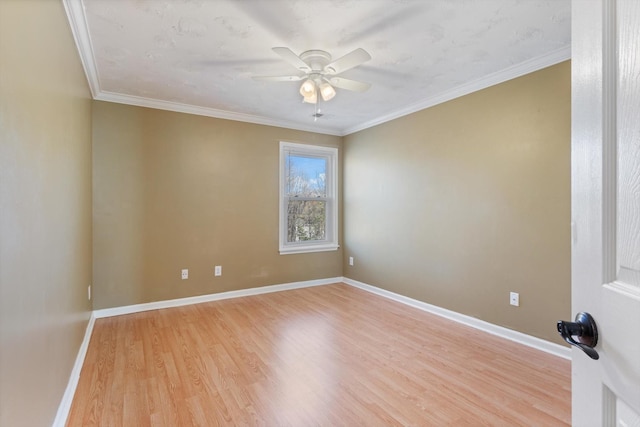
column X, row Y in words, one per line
column 514, row 298
column 350, row 260
column 185, row 273
column 217, row 271
column 89, row 292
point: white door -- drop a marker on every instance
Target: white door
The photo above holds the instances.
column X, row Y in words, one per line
column 606, row 208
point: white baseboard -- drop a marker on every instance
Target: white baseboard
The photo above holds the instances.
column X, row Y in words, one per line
column 128, row 309
column 519, row 337
column 67, row 398
column 528, row 340
column 70, row 391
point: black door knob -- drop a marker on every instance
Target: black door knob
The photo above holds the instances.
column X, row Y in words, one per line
column 585, row 331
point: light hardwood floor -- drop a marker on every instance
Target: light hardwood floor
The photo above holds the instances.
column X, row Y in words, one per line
column 328, row 355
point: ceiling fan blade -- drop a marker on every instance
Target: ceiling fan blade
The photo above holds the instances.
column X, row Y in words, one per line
column 348, row 84
column 347, row 62
column 293, row 59
column 278, row 78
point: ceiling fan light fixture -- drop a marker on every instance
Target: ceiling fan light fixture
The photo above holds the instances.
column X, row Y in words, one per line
column 311, row 99
column 327, row 91
column 308, row 88
column 319, row 73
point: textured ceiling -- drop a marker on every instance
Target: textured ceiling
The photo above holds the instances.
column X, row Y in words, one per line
column 199, row 56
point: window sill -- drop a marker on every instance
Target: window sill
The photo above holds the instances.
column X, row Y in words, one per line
column 308, row 249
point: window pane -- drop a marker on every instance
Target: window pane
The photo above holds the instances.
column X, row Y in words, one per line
column 306, row 220
column 308, row 207
column 307, row 176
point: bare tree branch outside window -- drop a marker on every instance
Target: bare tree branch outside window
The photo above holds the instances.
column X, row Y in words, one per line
column 306, row 192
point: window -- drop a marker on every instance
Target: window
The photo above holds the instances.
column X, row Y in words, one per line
column 308, row 198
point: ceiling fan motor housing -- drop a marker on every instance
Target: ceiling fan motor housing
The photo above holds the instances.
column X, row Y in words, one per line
column 316, row 59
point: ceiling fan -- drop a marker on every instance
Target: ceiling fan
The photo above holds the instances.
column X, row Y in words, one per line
column 319, row 73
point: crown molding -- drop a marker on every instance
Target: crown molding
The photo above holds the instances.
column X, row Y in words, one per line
column 209, row 112
column 498, row 77
column 78, row 23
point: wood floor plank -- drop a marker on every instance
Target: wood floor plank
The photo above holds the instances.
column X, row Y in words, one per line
column 326, row 355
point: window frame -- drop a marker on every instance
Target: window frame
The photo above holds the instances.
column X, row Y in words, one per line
column 331, row 199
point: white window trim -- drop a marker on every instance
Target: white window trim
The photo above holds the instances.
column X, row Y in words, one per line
column 331, row 244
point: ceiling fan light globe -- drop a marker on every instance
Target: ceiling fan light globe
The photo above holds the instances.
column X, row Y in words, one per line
column 311, row 99
column 327, row 91
column 308, row 88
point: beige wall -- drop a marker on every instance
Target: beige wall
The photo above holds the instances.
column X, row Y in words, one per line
column 45, row 209
column 175, row 191
column 458, row 204
column 455, row 205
